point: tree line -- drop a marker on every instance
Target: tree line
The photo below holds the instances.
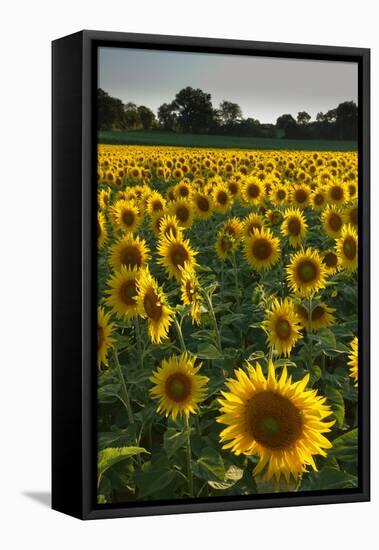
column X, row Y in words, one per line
column 192, row 111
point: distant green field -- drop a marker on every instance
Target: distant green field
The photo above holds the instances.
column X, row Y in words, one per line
column 195, row 140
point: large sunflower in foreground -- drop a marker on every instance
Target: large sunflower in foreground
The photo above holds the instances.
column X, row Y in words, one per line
column 190, row 292
column 347, row 248
column 294, row 226
column 353, row 361
column 279, row 420
column 282, row 326
column 128, row 251
column 178, row 386
column 306, row 273
column 152, row 305
column 174, row 253
column 104, row 336
column 262, row 249
column 123, row 292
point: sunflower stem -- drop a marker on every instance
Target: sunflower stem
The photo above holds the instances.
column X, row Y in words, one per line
column 214, row 320
column 139, row 341
column 188, row 454
column 180, row 334
column 236, row 281
column 126, row 399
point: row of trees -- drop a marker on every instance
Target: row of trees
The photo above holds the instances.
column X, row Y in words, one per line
column 191, row 111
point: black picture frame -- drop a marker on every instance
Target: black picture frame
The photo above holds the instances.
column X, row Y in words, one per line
column 74, row 272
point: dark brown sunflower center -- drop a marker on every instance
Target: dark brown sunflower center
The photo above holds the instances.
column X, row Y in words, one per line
column 281, row 194
column 330, row 259
column 222, row 197
column 127, row 217
column 273, row 421
column 301, row 312
column 294, row 226
column 283, row 329
column 203, row 204
column 317, row 313
column 178, row 255
column 131, row 256
column 352, row 190
column 253, row 190
column 182, row 213
column 262, row 249
column 233, row 188
column 128, row 293
column 178, row 387
column 152, row 305
column 318, row 199
column 336, row 193
column 350, row 248
column 335, row 221
column 307, row 271
column 301, row 195
column 183, row 191
column 353, row 216
column 157, row 206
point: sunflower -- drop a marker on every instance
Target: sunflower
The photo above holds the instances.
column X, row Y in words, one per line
column 278, row 194
column 104, row 336
column 294, row 226
column 330, row 260
column 102, row 235
column 300, row 195
column 228, row 238
column 222, row 199
column 279, row 420
column 152, row 305
column 126, row 216
column 337, row 193
column 262, row 249
column 252, row 191
column 274, row 217
column 178, row 386
column 351, row 215
column 155, row 203
column 190, row 291
column 203, row 205
column 282, row 326
column 347, row 248
column 353, row 361
column 103, row 198
column 128, row 251
column 174, row 252
column 123, row 292
column 251, row 222
column 322, row 316
column 169, row 226
column 306, row 272
column 182, row 209
column 318, row 199
column 183, row 190
column 332, row 221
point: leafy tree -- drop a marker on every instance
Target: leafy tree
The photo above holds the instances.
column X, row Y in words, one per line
column 131, row 115
column 303, row 117
column 110, row 111
column 167, row 116
column 288, row 124
column 146, row 117
column 347, row 120
column 229, row 112
column 194, row 110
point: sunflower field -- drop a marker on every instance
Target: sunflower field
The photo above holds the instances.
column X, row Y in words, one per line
column 227, row 349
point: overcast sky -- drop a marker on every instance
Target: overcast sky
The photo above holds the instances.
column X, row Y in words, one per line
column 265, row 88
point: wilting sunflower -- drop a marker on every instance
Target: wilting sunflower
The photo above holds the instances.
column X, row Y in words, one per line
column 306, row 272
column 252, row 191
column 279, row 420
column 262, row 249
column 190, row 292
column 152, row 305
column 251, row 222
column 282, row 326
column 332, row 221
column 174, row 252
column 104, row 336
column 347, row 248
column 102, row 235
column 126, row 216
column 123, row 292
column 203, row 205
column 128, row 251
column 337, row 193
column 330, row 261
column 294, row 226
column 353, row 361
column 178, row 386
column 222, row 199
column 183, row 211
column 300, row 195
